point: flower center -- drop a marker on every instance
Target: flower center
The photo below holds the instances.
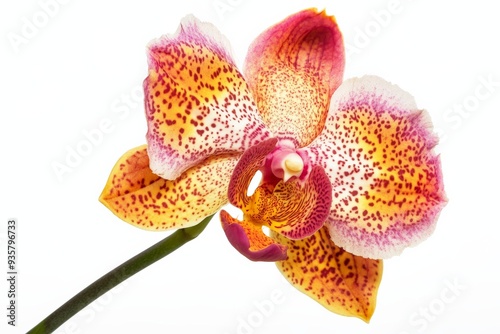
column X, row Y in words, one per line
column 283, row 163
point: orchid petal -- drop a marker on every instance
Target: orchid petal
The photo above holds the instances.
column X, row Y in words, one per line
column 342, row 282
column 387, row 182
column 293, row 68
column 197, row 103
column 143, row 199
column 249, row 239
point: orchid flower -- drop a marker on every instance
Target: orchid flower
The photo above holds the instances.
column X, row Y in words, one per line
column 348, row 173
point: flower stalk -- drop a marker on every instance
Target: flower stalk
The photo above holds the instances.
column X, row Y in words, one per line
column 118, row 275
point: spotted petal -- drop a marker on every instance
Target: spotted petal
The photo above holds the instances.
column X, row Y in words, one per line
column 197, row 103
column 145, row 200
column 342, row 282
column 293, row 68
column 387, row 183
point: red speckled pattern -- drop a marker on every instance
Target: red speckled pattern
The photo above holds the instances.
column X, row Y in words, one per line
column 296, row 209
column 293, row 68
column 387, row 183
column 342, row 282
column 197, row 102
column 145, row 200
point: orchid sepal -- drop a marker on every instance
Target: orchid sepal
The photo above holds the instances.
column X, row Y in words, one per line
column 143, row 199
column 343, row 283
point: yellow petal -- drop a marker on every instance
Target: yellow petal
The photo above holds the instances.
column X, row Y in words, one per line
column 197, row 102
column 145, row 200
column 344, row 283
column 293, row 68
column 377, row 149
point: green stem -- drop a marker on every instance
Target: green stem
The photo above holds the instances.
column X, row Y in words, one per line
column 118, row 275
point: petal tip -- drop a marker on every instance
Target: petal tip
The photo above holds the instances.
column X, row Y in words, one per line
column 191, row 29
column 364, row 88
column 251, row 241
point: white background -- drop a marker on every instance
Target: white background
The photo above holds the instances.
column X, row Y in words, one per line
column 89, row 57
